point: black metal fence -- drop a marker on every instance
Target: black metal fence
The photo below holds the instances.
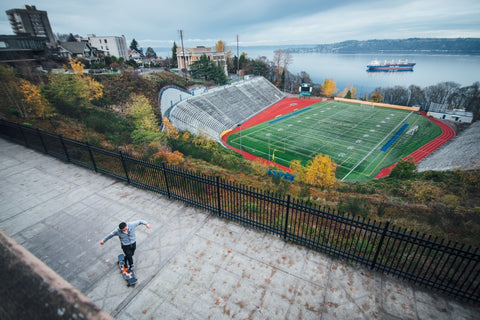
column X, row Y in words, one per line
column 448, row 268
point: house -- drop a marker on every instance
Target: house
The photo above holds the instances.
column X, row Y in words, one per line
column 135, row 56
column 76, row 49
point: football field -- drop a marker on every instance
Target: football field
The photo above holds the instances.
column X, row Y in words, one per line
column 361, row 139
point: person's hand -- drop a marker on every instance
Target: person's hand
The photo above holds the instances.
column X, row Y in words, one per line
column 102, row 242
column 148, row 225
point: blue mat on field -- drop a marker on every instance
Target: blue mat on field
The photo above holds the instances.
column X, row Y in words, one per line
column 289, row 115
column 394, row 138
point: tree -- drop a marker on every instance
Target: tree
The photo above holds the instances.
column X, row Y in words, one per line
column 320, row 172
column 328, row 88
column 36, row 104
column 174, row 56
column 11, row 96
column 304, row 77
column 71, row 38
column 220, row 46
column 281, row 61
column 415, row 96
column 134, row 45
column 201, row 68
column 146, row 127
column 376, row 96
column 169, row 129
column 150, row 53
column 349, row 93
column 219, row 75
column 404, row 169
column 72, row 91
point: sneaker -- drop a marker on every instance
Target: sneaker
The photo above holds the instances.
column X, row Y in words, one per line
column 130, row 268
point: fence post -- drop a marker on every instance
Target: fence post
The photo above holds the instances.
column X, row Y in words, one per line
column 64, row 147
column 166, row 179
column 286, row 219
column 23, row 135
column 385, row 229
column 91, row 157
column 124, row 167
column 219, row 207
column 41, row 140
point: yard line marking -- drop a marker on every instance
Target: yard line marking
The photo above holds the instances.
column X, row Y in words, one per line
column 378, row 144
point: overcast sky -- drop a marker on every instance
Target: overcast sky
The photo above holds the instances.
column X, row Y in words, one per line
column 155, row 23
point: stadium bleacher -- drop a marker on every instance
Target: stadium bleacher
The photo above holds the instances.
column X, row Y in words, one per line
column 222, row 108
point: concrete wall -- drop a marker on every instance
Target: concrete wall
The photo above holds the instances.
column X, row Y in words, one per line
column 31, row 290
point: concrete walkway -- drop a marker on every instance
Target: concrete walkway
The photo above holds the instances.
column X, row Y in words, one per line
column 190, row 264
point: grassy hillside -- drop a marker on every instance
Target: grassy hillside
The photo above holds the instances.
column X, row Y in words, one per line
column 444, row 204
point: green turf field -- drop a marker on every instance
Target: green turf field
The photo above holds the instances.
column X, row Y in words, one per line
column 352, row 134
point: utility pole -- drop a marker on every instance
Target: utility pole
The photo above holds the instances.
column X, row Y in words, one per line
column 238, row 61
column 183, row 54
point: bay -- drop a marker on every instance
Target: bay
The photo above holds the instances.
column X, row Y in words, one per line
column 350, row 69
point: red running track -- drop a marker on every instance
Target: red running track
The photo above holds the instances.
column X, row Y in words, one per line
column 447, row 134
column 283, row 107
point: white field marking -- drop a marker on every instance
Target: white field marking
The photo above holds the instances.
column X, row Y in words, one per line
column 374, row 148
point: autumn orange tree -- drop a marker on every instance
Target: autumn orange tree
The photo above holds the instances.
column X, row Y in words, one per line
column 349, row 93
column 22, row 96
column 34, row 102
column 376, row 96
column 319, row 172
column 328, row 88
column 169, row 129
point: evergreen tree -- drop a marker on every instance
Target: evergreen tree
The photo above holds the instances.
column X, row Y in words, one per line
column 174, row 56
column 134, row 45
column 71, row 38
column 150, row 53
column 219, row 77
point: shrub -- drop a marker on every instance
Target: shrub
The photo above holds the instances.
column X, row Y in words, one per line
column 356, row 206
column 405, row 169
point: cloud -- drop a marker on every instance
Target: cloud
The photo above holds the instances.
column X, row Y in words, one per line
column 156, row 22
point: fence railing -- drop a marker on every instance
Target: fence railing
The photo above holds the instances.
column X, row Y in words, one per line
column 445, row 267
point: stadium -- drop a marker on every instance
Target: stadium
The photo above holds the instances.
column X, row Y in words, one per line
column 259, row 121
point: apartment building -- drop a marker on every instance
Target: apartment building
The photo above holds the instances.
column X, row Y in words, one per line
column 29, row 20
column 110, row 45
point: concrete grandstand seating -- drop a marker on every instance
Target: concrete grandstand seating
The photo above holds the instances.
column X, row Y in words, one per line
column 171, row 95
column 224, row 108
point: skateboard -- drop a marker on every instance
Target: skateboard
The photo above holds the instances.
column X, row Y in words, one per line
column 128, row 276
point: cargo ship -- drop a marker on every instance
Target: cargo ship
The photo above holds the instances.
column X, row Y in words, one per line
column 375, row 66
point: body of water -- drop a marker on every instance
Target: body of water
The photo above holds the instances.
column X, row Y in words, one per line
column 350, row 69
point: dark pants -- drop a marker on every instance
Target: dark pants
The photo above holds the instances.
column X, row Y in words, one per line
column 129, row 252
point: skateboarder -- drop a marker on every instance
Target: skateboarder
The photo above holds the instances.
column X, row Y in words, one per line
column 126, row 233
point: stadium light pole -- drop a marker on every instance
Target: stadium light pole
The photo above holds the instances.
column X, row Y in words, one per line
column 268, row 135
column 240, row 125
